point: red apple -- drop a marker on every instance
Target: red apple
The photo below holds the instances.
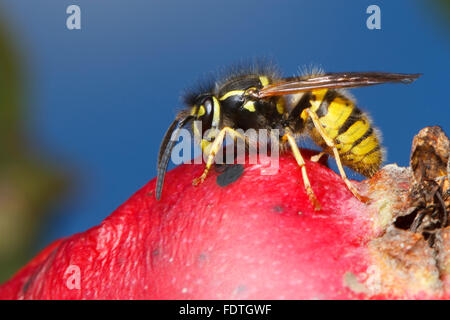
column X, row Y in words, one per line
column 257, row 238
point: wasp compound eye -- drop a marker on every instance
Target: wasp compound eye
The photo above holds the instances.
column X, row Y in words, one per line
column 205, row 114
column 208, row 106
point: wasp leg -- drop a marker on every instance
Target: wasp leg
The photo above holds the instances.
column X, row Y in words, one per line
column 317, row 157
column 215, row 147
column 301, row 163
column 330, row 143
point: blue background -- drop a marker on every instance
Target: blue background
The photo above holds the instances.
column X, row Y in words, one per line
column 102, row 97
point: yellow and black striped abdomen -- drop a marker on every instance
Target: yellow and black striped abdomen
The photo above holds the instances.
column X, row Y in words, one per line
column 357, row 141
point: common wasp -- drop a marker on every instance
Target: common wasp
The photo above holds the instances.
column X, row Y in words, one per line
column 314, row 104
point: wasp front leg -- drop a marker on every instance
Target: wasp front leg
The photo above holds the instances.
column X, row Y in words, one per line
column 330, row 143
column 214, row 149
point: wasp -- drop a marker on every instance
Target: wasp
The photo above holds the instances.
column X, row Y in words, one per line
column 313, row 104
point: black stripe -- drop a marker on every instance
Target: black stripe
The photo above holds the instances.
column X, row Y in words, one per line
column 377, row 148
column 294, row 121
column 366, row 170
column 364, row 136
column 330, row 95
column 354, row 116
column 358, row 141
column 302, row 104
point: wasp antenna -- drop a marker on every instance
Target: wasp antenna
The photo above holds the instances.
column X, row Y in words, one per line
column 166, row 149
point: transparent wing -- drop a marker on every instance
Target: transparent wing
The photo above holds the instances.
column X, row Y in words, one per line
column 333, row 81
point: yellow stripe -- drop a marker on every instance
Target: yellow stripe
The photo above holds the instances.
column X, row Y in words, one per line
column 331, row 132
column 304, row 115
column 356, row 131
column 231, row 93
column 350, row 157
column 337, row 113
column 216, row 116
column 280, row 105
column 201, row 111
column 193, row 110
column 319, row 95
column 365, row 146
column 343, row 147
column 250, row 106
column 315, row 103
column 264, row 80
column 373, row 158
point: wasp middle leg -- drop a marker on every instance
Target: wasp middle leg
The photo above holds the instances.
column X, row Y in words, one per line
column 302, row 165
column 317, row 157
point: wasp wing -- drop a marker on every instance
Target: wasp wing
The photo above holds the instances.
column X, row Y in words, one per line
column 333, row 81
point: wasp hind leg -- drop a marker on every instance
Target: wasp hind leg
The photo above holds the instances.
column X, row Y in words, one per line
column 214, row 149
column 317, row 157
column 330, row 143
column 301, row 164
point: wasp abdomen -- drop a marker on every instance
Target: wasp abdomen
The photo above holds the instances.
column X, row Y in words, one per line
column 357, row 141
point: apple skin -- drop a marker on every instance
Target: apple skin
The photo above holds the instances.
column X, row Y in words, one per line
column 257, row 238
